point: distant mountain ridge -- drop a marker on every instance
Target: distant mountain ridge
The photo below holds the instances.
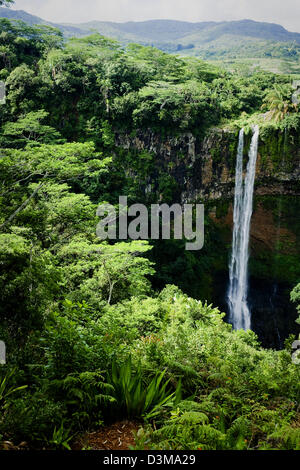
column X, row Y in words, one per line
column 177, row 30
column 32, row 20
column 245, row 38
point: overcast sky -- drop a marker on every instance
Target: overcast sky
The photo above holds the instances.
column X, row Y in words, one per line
column 285, row 12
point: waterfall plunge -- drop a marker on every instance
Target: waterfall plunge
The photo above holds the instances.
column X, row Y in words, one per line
column 240, row 315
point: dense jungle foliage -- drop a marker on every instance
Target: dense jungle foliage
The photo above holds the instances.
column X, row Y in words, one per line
column 90, row 338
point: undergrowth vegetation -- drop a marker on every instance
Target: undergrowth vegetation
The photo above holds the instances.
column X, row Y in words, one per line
column 215, row 389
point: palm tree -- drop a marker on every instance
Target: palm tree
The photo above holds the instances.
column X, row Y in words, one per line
column 278, row 102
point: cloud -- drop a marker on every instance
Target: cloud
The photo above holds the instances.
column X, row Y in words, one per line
column 286, row 13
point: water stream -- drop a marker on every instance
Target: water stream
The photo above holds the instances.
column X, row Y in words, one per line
column 239, row 312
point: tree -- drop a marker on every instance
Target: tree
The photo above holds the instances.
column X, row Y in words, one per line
column 278, row 102
column 103, row 274
column 295, row 297
column 28, row 130
column 39, row 214
column 25, row 172
column 28, row 281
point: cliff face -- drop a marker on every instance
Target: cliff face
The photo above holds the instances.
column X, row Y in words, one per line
column 205, row 168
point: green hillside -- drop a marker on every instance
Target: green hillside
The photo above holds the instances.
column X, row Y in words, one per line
column 21, row 15
column 229, row 41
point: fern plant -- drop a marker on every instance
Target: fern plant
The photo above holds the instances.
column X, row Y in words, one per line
column 189, row 431
column 85, row 394
column 287, row 438
column 6, row 390
column 239, row 434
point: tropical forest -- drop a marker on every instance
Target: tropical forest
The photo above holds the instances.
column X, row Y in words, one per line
column 137, row 343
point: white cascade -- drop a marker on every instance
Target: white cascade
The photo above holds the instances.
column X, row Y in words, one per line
column 239, row 313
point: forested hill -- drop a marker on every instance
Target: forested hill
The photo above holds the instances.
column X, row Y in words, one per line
column 31, row 20
column 203, row 32
column 168, row 30
column 227, row 39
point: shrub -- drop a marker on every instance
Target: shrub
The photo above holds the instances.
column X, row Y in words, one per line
column 137, row 398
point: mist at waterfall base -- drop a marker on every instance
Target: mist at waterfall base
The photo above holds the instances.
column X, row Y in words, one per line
column 273, row 316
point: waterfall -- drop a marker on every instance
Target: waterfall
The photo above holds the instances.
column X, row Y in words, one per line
column 239, row 313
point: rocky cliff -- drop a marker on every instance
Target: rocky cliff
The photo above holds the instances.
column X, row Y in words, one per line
column 205, row 168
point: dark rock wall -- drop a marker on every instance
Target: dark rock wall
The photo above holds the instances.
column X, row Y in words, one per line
column 205, row 169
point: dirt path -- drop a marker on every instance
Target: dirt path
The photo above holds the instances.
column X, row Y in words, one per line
column 117, row 436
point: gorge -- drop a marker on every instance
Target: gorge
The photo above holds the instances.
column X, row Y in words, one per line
column 202, row 168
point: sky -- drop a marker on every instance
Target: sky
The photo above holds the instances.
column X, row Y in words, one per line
column 284, row 12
